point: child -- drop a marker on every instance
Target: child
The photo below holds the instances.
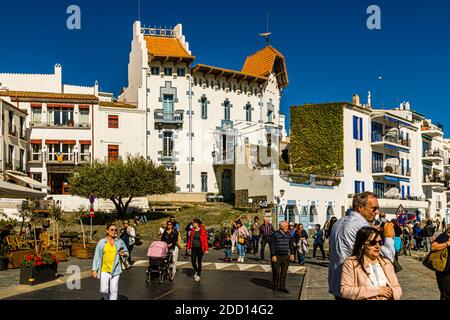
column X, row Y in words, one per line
column 227, row 245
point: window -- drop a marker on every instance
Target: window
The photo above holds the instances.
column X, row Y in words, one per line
column 113, row 152
column 167, row 144
column 10, row 154
column 377, row 162
column 167, row 71
column 313, row 213
column 11, row 122
column 168, row 106
column 204, row 181
column 181, row 72
column 270, row 116
column 22, row 128
column 113, row 121
column 378, row 189
column 425, row 148
column 36, row 150
column 360, row 186
column 61, row 151
column 358, row 160
column 248, row 112
column 204, row 105
column 357, row 128
column 22, row 160
column 37, row 176
column 227, row 110
column 36, row 115
column 155, row 71
column 60, row 116
column 84, row 117
column 85, row 152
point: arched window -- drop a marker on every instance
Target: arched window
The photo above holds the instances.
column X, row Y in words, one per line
column 313, row 213
column 330, row 211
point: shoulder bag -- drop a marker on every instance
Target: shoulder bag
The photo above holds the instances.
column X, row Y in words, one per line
column 436, row 261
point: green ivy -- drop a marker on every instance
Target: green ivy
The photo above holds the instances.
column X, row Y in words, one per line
column 317, row 139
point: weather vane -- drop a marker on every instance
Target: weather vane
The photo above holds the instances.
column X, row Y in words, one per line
column 267, row 33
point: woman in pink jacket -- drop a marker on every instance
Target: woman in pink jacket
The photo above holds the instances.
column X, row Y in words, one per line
column 366, row 275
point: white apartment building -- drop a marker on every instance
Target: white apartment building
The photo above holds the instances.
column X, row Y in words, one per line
column 397, row 154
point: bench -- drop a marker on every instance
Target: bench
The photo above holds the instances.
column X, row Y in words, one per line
column 164, row 208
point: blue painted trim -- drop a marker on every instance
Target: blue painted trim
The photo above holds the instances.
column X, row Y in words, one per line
column 396, row 148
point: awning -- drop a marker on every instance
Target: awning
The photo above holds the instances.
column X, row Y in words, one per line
column 83, row 106
column 27, row 180
column 11, row 190
column 85, row 142
column 395, row 179
column 398, row 121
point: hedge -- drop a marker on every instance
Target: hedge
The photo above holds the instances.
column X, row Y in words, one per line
column 317, row 139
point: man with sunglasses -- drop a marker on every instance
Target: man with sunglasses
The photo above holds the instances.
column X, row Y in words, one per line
column 106, row 265
column 342, row 239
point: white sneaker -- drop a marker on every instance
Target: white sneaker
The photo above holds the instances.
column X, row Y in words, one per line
column 197, row 278
column 242, row 259
column 239, row 259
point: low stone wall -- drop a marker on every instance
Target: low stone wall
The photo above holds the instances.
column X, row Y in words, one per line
column 186, row 197
column 242, row 198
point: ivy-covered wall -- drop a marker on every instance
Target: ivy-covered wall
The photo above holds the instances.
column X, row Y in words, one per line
column 317, row 138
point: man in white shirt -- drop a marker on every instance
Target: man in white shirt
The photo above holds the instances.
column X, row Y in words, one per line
column 342, row 239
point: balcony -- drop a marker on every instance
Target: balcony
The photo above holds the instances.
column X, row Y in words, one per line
column 433, row 181
column 433, row 155
column 390, row 141
column 431, row 131
column 390, row 170
column 162, row 118
column 224, row 157
column 168, row 160
column 69, row 124
column 61, row 158
column 447, row 163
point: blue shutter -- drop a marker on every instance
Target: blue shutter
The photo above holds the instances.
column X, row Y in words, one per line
column 403, row 192
column 403, row 167
column 360, row 129
column 363, row 186
column 407, row 164
column 357, row 186
column 408, row 191
column 355, row 127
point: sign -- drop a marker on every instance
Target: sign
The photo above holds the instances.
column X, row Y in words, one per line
column 91, row 212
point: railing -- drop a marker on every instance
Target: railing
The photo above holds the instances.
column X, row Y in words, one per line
column 223, row 157
column 69, row 124
column 378, row 137
column 36, row 157
column 168, row 159
column 410, row 198
column 309, row 179
column 61, row 157
column 84, row 157
column 166, row 117
column 391, row 169
column 429, row 128
column 15, row 165
column 434, row 153
column 432, row 179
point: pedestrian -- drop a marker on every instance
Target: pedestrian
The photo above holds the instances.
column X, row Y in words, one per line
column 233, row 240
column 239, row 235
column 227, row 247
column 442, row 242
column 144, row 218
column 106, row 265
column 326, row 230
column 197, row 246
column 418, row 236
column 128, row 235
column 294, row 228
column 443, row 224
column 161, row 229
column 188, row 230
column 254, row 228
column 381, row 219
column 397, row 244
column 365, row 274
column 266, row 231
column 437, row 224
column 428, row 232
column 282, row 253
column 301, row 243
column 343, row 234
column 176, row 225
column 170, row 236
column 318, row 242
column 406, row 237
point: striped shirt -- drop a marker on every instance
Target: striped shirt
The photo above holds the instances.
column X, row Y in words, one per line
column 282, row 244
column 266, row 229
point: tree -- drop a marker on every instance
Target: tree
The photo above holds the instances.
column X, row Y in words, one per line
column 120, row 181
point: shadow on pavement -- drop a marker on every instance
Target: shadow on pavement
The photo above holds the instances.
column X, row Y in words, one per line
column 262, row 283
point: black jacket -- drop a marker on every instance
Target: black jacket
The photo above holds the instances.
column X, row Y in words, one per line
column 281, row 244
column 170, row 238
column 428, row 230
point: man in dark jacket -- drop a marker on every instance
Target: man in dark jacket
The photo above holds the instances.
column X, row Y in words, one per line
column 265, row 231
column 428, row 232
column 282, row 252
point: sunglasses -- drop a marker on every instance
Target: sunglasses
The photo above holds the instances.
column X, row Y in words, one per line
column 114, row 230
column 373, row 243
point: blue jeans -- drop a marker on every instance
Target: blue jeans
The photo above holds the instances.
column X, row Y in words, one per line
column 228, row 253
column 427, row 244
column 255, row 243
column 144, row 218
column 301, row 258
column 241, row 249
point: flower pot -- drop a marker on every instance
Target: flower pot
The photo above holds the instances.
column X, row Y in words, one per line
column 4, row 264
column 38, row 274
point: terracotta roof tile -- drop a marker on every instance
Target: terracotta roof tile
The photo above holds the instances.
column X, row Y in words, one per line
column 49, row 95
column 166, row 47
column 116, row 105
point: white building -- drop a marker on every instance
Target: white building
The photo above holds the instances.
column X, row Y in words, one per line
column 388, row 152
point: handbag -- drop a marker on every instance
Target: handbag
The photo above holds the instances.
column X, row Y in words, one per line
column 436, row 261
column 124, row 263
column 241, row 240
column 397, row 266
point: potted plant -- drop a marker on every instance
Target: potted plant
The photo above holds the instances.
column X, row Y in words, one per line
column 38, row 268
column 4, row 258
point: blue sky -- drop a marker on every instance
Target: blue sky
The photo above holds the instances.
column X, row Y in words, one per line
column 329, row 51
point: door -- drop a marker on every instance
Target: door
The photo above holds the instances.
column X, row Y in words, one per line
column 304, row 216
column 226, row 185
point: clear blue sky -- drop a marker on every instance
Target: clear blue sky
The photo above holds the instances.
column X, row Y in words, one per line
column 329, row 51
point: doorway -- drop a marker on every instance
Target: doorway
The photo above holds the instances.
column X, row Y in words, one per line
column 226, row 186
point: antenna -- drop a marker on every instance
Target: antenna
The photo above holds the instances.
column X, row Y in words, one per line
column 267, row 33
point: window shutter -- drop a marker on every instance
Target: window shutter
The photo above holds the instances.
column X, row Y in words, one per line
column 403, row 192
column 355, row 127
column 408, row 189
column 363, row 186
column 356, row 187
column 360, row 129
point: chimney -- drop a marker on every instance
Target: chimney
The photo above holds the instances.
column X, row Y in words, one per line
column 369, row 100
column 356, row 101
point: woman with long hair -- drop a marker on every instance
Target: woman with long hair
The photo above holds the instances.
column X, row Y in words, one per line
column 197, row 246
column 170, row 236
column 442, row 242
column 366, row 275
column 240, row 234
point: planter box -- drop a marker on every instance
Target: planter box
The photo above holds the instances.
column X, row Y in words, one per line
column 37, row 275
column 85, row 253
column 60, row 254
column 75, row 247
column 15, row 257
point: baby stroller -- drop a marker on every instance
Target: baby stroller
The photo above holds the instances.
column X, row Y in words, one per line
column 159, row 260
